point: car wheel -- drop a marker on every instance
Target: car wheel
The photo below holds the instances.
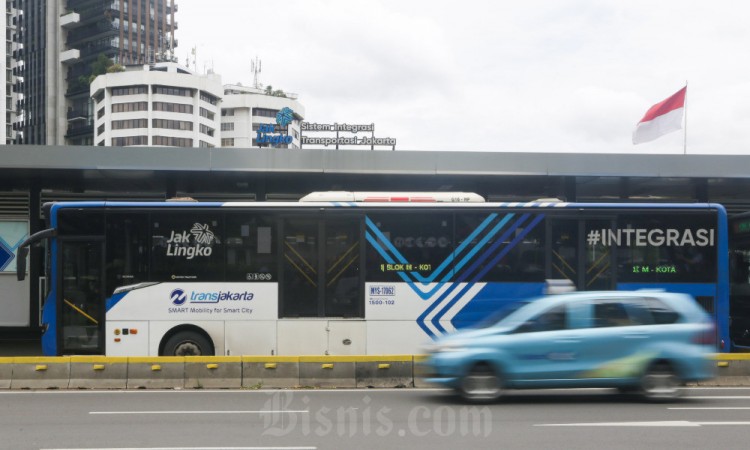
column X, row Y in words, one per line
column 481, row 385
column 188, row 343
column 660, row 383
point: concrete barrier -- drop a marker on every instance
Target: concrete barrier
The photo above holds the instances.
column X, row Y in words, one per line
column 213, row 372
column 384, row 371
column 420, row 372
column 6, row 372
column 165, row 372
column 327, row 371
column 733, row 369
column 270, row 372
column 98, row 372
column 40, row 373
column 253, row 372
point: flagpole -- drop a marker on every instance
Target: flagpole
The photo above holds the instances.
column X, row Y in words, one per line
column 684, row 138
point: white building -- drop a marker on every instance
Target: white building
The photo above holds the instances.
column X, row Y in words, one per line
column 8, row 22
column 159, row 105
column 249, row 113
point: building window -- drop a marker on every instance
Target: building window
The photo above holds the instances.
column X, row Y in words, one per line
column 166, row 90
column 265, row 112
column 172, row 141
column 205, row 144
column 129, row 107
column 227, row 142
column 99, row 97
column 172, row 124
column 127, row 124
column 173, row 107
column 207, row 114
column 100, row 113
column 227, row 112
column 207, row 130
column 130, row 140
column 129, row 90
column 208, row 98
column 227, row 126
column 100, row 130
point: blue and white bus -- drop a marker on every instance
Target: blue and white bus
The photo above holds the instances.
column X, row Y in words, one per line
column 343, row 273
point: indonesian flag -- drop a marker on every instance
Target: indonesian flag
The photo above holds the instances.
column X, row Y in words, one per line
column 662, row 118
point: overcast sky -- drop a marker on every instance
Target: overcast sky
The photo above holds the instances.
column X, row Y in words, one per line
column 492, row 75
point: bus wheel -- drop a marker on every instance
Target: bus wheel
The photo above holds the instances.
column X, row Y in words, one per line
column 188, row 343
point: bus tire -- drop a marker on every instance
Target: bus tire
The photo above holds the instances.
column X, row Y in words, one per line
column 188, row 343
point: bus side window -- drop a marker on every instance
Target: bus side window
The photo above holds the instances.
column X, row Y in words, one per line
column 127, row 250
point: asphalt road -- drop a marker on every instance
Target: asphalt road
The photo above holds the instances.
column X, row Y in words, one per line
column 369, row 419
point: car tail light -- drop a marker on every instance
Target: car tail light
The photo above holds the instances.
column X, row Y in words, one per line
column 707, row 336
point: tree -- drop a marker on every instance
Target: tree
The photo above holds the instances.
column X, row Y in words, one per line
column 103, row 65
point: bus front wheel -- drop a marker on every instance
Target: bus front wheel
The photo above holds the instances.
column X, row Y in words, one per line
column 188, row 343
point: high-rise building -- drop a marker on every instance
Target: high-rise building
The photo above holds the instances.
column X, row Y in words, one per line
column 162, row 104
column 64, row 40
column 9, row 22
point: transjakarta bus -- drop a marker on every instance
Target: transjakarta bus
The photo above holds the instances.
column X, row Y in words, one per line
column 349, row 273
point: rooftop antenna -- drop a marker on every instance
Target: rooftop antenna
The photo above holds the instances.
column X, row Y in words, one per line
column 255, row 66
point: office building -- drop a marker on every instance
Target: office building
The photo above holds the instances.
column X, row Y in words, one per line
column 162, row 104
column 248, row 113
column 9, row 22
column 63, row 39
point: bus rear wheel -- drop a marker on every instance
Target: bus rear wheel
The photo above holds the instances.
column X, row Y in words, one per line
column 188, row 343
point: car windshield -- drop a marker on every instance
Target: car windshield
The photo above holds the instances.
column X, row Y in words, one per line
column 500, row 314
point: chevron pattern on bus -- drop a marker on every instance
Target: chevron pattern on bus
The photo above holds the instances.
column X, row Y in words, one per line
column 501, row 235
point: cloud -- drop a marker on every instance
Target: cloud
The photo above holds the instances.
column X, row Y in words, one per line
column 491, row 75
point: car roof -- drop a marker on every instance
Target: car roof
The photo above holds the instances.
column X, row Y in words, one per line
column 674, row 300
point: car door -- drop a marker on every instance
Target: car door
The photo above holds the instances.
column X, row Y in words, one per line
column 613, row 342
column 544, row 348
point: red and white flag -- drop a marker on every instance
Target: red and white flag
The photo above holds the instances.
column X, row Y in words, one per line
column 662, row 118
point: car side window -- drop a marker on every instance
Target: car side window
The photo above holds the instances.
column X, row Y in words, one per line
column 661, row 313
column 611, row 313
column 553, row 319
column 638, row 311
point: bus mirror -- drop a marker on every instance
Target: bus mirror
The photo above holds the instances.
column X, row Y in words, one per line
column 23, row 253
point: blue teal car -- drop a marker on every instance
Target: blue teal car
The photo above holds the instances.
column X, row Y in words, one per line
column 641, row 341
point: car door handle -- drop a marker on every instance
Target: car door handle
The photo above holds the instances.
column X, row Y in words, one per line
column 568, row 340
column 636, row 336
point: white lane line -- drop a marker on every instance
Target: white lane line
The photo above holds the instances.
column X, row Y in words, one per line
column 288, row 411
column 709, row 408
column 718, row 397
column 664, row 423
column 189, row 448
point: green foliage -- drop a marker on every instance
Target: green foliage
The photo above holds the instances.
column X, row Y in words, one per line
column 275, row 93
column 103, row 65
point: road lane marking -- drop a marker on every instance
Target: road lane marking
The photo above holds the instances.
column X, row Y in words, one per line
column 708, row 408
column 188, row 448
column 718, row 397
column 288, row 411
column 664, row 423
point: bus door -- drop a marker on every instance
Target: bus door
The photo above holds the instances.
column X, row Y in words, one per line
column 81, row 296
column 321, row 260
column 576, row 252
